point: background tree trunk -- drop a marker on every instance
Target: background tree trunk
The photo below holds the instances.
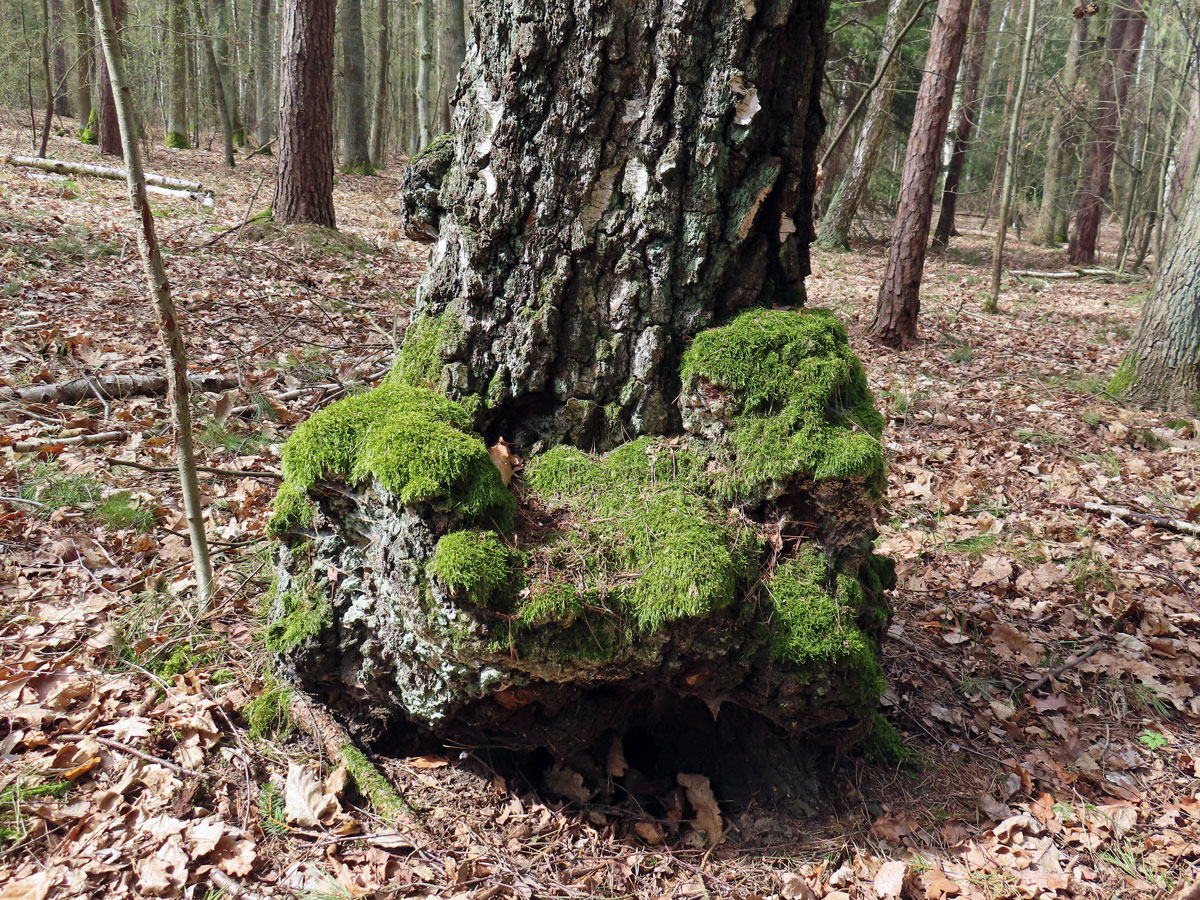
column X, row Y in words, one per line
column 62, row 93
column 218, row 84
column 1121, row 53
column 177, row 75
column 83, row 66
column 836, row 222
column 108, row 132
column 264, row 98
column 424, row 72
column 966, row 123
column 454, row 51
column 899, row 296
column 1050, row 214
column 383, row 64
column 47, row 79
column 219, row 16
column 356, row 152
column 1162, row 366
column 304, row 170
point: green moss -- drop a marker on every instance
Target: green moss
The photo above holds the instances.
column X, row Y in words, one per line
column 419, row 363
column 477, row 562
column 441, row 146
column 90, row 134
column 413, row 442
column 645, row 543
column 121, row 511
column 293, row 510
column 305, row 615
column 883, row 743
column 1124, row 377
column 359, row 168
column 374, row 787
column 801, row 406
column 177, row 141
column 269, row 714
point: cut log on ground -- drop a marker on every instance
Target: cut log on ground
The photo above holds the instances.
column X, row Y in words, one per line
column 1076, row 274
column 114, row 387
column 64, row 167
column 80, row 440
column 1133, row 515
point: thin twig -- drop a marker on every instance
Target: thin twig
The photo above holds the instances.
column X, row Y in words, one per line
column 231, row 473
column 142, row 755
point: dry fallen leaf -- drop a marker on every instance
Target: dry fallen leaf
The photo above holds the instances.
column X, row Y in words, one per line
column 567, row 783
column 708, row 813
column 889, row 880
column 305, row 801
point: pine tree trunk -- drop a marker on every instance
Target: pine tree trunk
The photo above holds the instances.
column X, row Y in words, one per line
column 835, row 224
column 304, row 170
column 425, row 71
column 379, row 108
column 899, row 296
column 1047, row 229
column 966, row 123
column 454, row 51
column 356, row 151
column 83, row 65
column 62, row 94
column 177, row 72
column 1162, row 367
column 108, row 131
column 264, row 100
column 1124, row 40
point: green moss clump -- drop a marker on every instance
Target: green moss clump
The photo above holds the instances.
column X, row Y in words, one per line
column 306, row 613
column 883, row 743
column 269, row 714
column 439, row 150
column 801, row 402
column 293, row 510
column 413, row 442
column 419, row 363
column 646, row 546
column 90, row 134
column 362, row 167
column 385, row 800
column 1124, row 377
column 177, row 141
column 477, row 562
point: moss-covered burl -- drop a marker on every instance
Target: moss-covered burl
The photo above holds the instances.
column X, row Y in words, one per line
column 730, row 563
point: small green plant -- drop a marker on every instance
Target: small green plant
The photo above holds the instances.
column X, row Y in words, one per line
column 1088, row 384
column 121, row 511
column 1091, row 572
column 54, row 489
column 976, row 545
column 884, row 743
column 1092, row 417
column 962, row 354
column 14, row 825
column 1039, row 437
column 268, row 715
column 271, row 809
column 1153, row 740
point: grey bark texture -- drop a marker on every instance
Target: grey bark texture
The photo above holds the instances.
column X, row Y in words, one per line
column 1048, row 229
column 454, row 51
column 380, row 106
column 356, row 150
column 304, row 169
column 425, row 111
column 264, row 80
column 83, row 68
column 177, row 72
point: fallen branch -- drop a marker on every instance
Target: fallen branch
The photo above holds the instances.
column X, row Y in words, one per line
column 1069, row 664
column 205, row 199
column 80, row 440
column 230, row 473
column 1132, row 515
column 1072, row 274
column 374, row 786
column 142, row 755
column 62, row 167
column 112, row 386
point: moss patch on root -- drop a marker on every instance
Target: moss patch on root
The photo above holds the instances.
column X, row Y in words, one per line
column 305, row 613
column 800, row 405
column 412, row 442
column 477, row 563
column 1124, row 377
column 177, row 141
column 420, row 361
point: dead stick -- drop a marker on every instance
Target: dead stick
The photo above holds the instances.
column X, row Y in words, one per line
column 1124, row 512
column 1069, row 664
column 231, row 473
column 80, row 440
column 249, row 206
column 140, row 754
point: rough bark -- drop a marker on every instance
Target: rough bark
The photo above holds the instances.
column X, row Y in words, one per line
column 218, row 83
column 424, row 71
column 627, row 198
column 177, row 72
column 304, row 170
column 62, row 93
column 1050, row 214
column 835, row 224
column 83, row 66
column 379, row 109
column 264, row 99
column 108, row 131
column 1121, row 53
column 454, row 51
column 47, row 79
column 1162, row 367
column 899, row 301
column 966, row 123
column 356, row 151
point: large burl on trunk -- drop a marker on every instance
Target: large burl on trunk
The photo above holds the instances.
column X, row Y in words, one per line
column 626, row 210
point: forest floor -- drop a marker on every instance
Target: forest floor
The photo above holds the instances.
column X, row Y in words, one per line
column 141, row 753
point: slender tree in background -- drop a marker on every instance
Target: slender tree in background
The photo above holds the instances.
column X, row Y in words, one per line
column 220, row 20
column 992, row 304
column 1051, row 223
column 1005, row 118
column 83, row 64
column 264, row 82
column 62, row 93
column 356, row 151
column 177, row 75
column 838, row 155
column 966, row 122
column 424, row 72
column 304, row 168
column 836, row 222
column 47, row 79
column 214, row 74
column 383, row 63
column 1121, row 53
column 454, row 50
column 1162, row 366
column 160, row 294
column 900, row 294
column 108, row 131
column 1141, row 146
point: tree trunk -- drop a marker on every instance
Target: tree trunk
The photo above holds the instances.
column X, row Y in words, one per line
column 160, row 293
column 454, row 51
column 1162, row 366
column 992, row 304
column 1047, row 229
column 383, row 58
column 1124, row 39
column 613, row 194
column 1141, row 149
column 304, row 171
column 218, row 84
column 835, row 224
column 83, row 65
column 356, row 151
column 839, row 154
column 62, row 95
column 177, row 75
column 1005, row 119
column 219, row 12
column 47, row 80
column 899, row 296
column 424, row 72
column 264, row 97
column 108, row 131
column 966, row 123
